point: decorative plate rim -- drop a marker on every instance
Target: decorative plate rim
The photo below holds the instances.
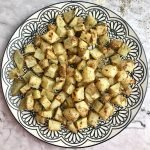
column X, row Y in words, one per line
column 146, row 77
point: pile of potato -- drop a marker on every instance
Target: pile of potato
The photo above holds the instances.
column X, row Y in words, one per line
column 75, row 75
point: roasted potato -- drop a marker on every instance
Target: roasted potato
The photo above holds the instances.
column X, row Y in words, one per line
column 106, row 111
column 71, row 114
column 54, row 125
column 93, row 118
column 82, row 108
column 74, row 74
column 19, row 60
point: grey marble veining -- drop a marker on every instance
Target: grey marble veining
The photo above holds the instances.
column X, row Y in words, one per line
column 136, row 135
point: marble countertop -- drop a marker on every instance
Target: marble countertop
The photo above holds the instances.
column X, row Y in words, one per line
column 136, row 135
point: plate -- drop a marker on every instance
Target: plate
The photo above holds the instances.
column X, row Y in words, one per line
column 118, row 28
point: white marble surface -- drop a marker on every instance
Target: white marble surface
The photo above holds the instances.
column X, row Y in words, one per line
column 136, row 136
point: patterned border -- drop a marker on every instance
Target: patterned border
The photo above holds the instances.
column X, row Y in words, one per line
column 118, row 28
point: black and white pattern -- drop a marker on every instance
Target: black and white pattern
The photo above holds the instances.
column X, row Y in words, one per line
column 118, row 28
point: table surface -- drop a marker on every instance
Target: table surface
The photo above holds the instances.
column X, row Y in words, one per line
column 136, row 135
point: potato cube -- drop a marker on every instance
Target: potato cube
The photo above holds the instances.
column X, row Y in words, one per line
column 124, row 50
column 97, row 106
column 59, row 84
column 29, row 102
column 35, row 82
column 71, row 127
column 104, row 39
column 39, row 54
column 61, row 32
column 48, row 93
column 70, row 42
column 50, row 37
column 62, row 70
column 55, row 103
column 46, row 113
column 85, row 36
column 82, row 44
column 16, row 86
column 61, row 97
column 115, row 44
column 101, row 29
column 15, row 73
column 98, row 74
column 109, row 71
column 45, row 102
column 95, row 53
column 119, row 100
column 71, row 114
column 81, row 65
column 50, row 55
column 121, row 75
column 51, row 71
column 36, row 94
column 86, row 55
column 116, row 59
column 54, row 125
column 51, row 27
column 127, row 90
column 112, row 81
column 82, row 108
column 58, row 115
column 25, row 88
column 107, row 51
column 82, row 123
column 69, row 88
column 90, row 21
column 58, row 49
column 29, row 48
column 74, row 59
column 70, row 33
column 78, row 94
column 77, row 76
column 19, row 60
column 37, row 41
column 30, row 61
column 22, row 105
column 93, row 119
column 106, row 111
column 60, row 22
column 29, row 92
column 129, row 80
column 70, row 71
column 92, row 91
column 93, row 37
column 37, row 69
column 106, row 97
column 79, row 27
column 88, row 99
column 74, row 22
column 70, row 102
column 127, row 65
column 69, row 15
column 88, row 74
column 47, row 83
column 102, row 84
column 44, row 46
column 63, row 58
column 44, row 63
column 115, row 89
column 27, row 76
column 40, row 119
column 92, row 63
column 37, row 107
